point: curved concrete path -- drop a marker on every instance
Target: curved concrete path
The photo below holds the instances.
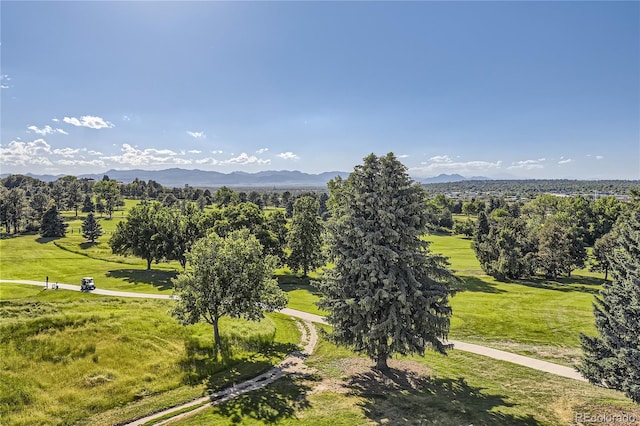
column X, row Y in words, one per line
column 536, row 364
column 292, row 364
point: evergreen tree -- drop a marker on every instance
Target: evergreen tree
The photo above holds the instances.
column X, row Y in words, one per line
column 289, row 209
column 87, row 204
column 387, row 293
column 100, row 206
column 305, row 236
column 52, row 224
column 613, row 357
column 91, row 229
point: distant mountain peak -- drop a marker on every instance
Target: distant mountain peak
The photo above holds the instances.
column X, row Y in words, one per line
column 444, row 178
column 176, row 177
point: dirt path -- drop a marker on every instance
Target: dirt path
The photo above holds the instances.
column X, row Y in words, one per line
column 547, row 367
column 293, row 364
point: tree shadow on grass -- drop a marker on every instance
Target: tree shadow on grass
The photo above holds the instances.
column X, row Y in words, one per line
column 159, row 279
column 406, row 398
column 475, row 284
column 221, row 368
column 290, row 282
column 45, row 240
column 565, row 284
column 271, row 404
column 88, row 244
column 8, row 236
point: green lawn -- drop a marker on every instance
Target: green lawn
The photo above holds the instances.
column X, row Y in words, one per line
column 77, row 358
column 538, row 318
column 60, row 346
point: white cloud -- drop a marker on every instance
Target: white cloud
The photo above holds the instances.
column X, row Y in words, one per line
column 136, row 157
column 403, row 156
column 565, row 161
column 92, row 152
column 440, row 159
column 527, row 164
column 126, row 118
column 4, row 81
column 243, row 159
column 19, row 153
column 46, row 130
column 218, row 152
column 209, row 161
column 89, row 121
column 599, row 157
column 288, row 156
column 262, row 150
column 197, row 135
column 194, row 151
column 444, row 164
column 55, row 120
column 66, row 152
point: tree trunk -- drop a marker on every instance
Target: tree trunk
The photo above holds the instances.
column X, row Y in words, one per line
column 381, row 363
column 216, row 335
column 149, row 264
column 606, row 273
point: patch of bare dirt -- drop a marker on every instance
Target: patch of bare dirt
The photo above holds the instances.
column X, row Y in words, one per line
column 358, row 376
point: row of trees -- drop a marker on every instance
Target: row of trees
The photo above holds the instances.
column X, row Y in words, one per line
column 24, row 203
column 548, row 235
column 155, row 232
column 23, row 199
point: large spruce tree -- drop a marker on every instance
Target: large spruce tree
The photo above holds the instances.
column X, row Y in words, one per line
column 387, row 293
column 52, row 224
column 613, row 357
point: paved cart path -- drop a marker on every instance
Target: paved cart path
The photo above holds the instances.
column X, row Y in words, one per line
column 536, row 364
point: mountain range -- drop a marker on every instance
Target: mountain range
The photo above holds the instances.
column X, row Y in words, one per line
column 176, row 177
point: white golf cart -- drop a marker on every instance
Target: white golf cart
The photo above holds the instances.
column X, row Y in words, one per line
column 87, row 284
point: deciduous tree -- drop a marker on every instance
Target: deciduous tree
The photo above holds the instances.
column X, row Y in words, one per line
column 227, row 277
column 138, row 235
column 602, row 251
column 305, row 236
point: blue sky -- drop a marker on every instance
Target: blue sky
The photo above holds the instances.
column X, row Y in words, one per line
column 497, row 89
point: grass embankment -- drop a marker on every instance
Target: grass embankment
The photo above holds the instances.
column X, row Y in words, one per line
column 77, row 358
column 459, row 389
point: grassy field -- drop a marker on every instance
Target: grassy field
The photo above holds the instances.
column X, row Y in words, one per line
column 459, row 389
column 537, row 317
column 69, row 357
